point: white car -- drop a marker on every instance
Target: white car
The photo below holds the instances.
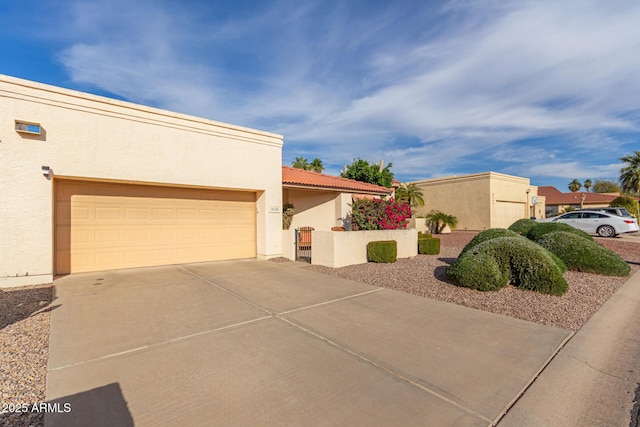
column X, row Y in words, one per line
column 597, row 222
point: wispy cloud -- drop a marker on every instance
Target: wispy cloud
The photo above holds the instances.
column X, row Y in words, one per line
column 433, row 88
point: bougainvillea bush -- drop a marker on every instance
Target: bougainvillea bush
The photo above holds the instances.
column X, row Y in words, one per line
column 378, row 214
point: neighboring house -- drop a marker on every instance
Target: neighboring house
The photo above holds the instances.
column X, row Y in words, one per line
column 323, row 201
column 91, row 183
column 481, row 201
column 557, row 201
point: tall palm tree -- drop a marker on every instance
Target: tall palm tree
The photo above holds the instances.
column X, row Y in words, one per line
column 630, row 174
column 300, row 163
column 575, row 186
column 587, row 184
column 316, row 165
column 411, row 194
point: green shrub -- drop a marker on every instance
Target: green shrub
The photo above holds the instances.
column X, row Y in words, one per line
column 626, row 202
column 522, row 226
column 584, row 255
column 422, row 235
column 382, row 251
column 287, row 215
column 429, row 246
column 478, row 270
column 495, row 263
column 489, row 234
column 541, row 228
column 494, row 233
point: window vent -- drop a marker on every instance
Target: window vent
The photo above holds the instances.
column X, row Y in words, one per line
column 30, row 128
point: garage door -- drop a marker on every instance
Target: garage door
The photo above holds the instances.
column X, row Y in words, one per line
column 104, row 226
column 507, row 213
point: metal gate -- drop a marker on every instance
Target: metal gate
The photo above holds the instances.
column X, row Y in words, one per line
column 303, row 244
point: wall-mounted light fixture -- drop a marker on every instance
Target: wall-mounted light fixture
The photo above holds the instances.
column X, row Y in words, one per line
column 47, row 172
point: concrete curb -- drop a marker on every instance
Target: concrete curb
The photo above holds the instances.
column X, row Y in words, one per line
column 591, row 381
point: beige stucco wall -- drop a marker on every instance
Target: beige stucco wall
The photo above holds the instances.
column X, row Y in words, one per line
column 317, row 208
column 512, row 191
column 420, row 224
column 96, row 138
column 541, row 207
column 289, row 244
column 339, row 249
column 480, row 201
column 465, row 197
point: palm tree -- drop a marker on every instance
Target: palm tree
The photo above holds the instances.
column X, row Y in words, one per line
column 301, row 163
column 587, row 184
column 630, row 174
column 575, row 186
column 439, row 220
column 411, row 194
column 316, row 165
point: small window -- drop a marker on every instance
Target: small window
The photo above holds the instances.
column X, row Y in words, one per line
column 30, row 128
column 572, row 215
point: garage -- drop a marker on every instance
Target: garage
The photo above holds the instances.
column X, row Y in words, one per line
column 104, row 226
column 91, row 183
column 508, row 212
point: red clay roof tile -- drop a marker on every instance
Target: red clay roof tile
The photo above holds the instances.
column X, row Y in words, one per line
column 554, row 197
column 300, row 177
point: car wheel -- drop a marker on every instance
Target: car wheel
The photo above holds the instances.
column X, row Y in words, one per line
column 606, row 231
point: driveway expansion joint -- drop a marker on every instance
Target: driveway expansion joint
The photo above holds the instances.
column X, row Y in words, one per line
column 394, row 374
column 159, row 344
column 329, row 302
column 533, row 379
column 233, row 294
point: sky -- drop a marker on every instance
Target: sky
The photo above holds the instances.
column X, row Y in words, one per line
column 547, row 90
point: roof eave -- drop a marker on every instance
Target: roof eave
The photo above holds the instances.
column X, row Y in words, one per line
column 337, row 189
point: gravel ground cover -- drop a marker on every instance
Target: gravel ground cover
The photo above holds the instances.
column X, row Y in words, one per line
column 24, row 349
column 25, row 312
column 425, row 275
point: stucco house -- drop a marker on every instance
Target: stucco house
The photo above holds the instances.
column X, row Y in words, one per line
column 482, row 201
column 557, row 201
column 91, row 183
column 321, row 201
column 324, row 201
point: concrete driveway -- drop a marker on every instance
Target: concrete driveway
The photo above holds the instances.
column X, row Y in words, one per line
column 263, row 343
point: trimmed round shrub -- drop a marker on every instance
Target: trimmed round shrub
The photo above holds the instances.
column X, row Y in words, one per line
column 522, row 226
column 382, row 251
column 478, row 271
column 495, row 263
column 489, row 234
column 494, row 233
column 584, row 255
column 541, row 228
column 429, row 246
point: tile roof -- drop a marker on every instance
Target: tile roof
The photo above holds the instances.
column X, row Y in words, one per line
column 554, row 197
column 299, row 177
